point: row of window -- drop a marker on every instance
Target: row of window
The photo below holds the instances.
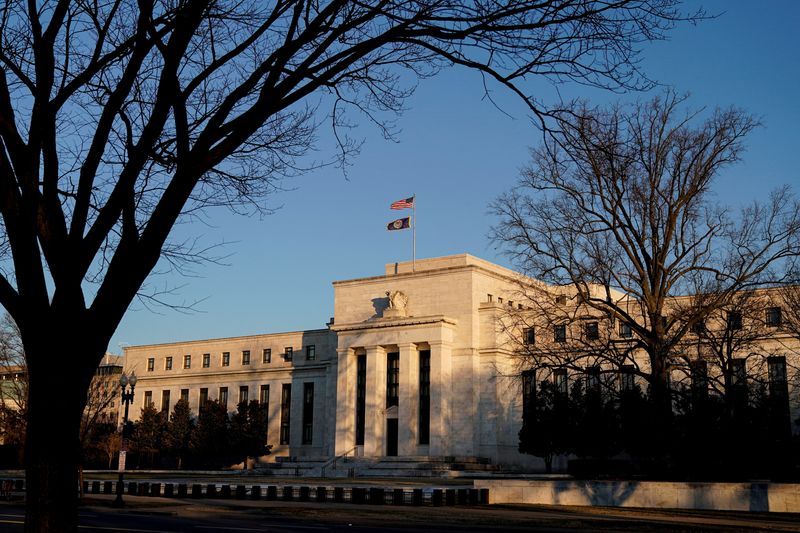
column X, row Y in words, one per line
column 225, row 358
column 263, row 398
column 776, row 372
column 773, row 318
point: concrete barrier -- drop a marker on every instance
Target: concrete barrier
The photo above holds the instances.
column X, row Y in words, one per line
column 169, row 490
column 759, row 497
column 197, row 490
column 255, row 492
column 225, row 491
column 241, row 492
column 272, row 492
column 108, row 487
column 398, row 496
column 321, row 494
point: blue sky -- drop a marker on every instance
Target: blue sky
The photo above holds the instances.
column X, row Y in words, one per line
column 457, row 152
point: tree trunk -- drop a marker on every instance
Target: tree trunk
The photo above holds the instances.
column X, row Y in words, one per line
column 52, row 452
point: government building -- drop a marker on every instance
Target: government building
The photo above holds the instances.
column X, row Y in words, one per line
column 414, row 363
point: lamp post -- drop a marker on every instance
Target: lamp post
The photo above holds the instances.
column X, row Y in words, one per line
column 127, row 398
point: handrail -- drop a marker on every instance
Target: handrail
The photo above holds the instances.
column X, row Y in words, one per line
column 332, row 460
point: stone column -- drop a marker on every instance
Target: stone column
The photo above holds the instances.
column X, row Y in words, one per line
column 441, row 388
column 345, row 400
column 375, row 417
column 408, row 408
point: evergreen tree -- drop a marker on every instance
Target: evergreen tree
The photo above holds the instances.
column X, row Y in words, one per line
column 179, row 431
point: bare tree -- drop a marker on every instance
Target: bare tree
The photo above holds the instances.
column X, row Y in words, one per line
column 118, row 119
column 616, row 208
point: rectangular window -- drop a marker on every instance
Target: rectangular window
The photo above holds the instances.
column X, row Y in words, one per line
column 560, row 333
column 308, row 413
column 266, row 356
column 561, row 299
column 203, row 397
column 185, row 395
column 738, row 372
column 699, row 327
column 226, row 358
column 244, row 394
column 286, row 409
column 392, row 379
column 528, row 394
column 263, row 395
column 560, row 380
column 529, row 335
column 592, row 331
column 168, row 363
column 699, row 380
column 734, row 320
column 206, row 360
column 311, row 352
column 148, row 398
column 774, row 318
column 187, row 361
column 165, row 401
column 151, row 364
column 626, row 378
column 625, row 330
column 288, row 352
column 424, row 396
column 223, row 397
column 246, row 357
column 361, row 397
column 593, row 378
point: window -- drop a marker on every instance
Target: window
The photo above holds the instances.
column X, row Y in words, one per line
column 699, row 380
column 392, row 379
column 165, row 401
column 773, row 318
column 424, row 397
column 510, row 303
column 777, row 371
column 185, row 395
column 288, row 352
column 529, row 335
column 738, row 372
column 561, row 299
column 593, row 378
column 560, row 333
column 626, row 378
column 489, row 298
column 528, row 394
column 308, row 413
column 246, row 357
column 699, row 327
column 361, row 397
column 187, row 361
column 263, row 396
column 148, row 398
column 311, row 352
column 734, row 320
column 226, row 358
column 560, row 380
column 625, row 330
column 168, row 363
column 286, row 409
column 223, row 396
column 203, row 397
column 244, row 394
column 151, row 364
column 206, row 360
column 592, row 331
column 266, row 356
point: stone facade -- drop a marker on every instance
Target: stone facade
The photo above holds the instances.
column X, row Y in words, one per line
column 414, row 363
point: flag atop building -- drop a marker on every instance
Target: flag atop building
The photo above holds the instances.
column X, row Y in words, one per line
column 400, row 223
column 405, row 203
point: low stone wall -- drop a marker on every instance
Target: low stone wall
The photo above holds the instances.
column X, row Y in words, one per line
column 762, row 497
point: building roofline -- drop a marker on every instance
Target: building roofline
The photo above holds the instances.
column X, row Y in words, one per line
column 222, row 339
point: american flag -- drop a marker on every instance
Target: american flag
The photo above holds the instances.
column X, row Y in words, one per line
column 405, row 203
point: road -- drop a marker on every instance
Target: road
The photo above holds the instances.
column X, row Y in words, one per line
column 159, row 515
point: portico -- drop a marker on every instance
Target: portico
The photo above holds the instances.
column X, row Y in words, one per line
column 394, row 375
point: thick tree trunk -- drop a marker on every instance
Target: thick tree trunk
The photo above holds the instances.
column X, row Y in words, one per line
column 58, row 380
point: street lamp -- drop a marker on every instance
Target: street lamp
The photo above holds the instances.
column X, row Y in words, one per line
column 127, row 398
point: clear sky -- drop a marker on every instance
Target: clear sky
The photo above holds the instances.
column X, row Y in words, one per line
column 457, row 152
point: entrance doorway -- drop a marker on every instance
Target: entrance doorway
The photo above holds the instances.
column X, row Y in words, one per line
column 391, row 437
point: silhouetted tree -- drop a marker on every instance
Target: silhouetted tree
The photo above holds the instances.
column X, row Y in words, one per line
column 179, row 431
column 210, row 440
column 248, row 431
column 119, row 118
column 615, row 209
column 148, row 434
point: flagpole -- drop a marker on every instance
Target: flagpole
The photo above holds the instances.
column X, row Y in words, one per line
column 414, row 233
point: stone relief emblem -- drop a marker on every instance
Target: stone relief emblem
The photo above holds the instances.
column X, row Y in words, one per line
column 398, row 303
